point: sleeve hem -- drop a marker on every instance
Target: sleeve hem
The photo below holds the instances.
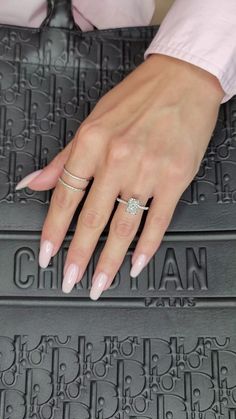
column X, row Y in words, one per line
column 176, row 51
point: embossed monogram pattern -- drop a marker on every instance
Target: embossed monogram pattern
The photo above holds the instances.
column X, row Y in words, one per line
column 121, row 379
column 216, row 178
column 50, row 80
column 118, row 379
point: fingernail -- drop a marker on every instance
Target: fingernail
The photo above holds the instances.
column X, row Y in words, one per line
column 27, row 179
column 98, row 285
column 45, row 253
column 70, row 277
column 138, row 265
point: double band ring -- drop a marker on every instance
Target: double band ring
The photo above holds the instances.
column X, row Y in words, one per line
column 76, row 177
column 72, row 188
column 68, row 186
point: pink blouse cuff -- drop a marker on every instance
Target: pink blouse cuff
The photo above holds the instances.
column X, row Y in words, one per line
column 203, row 33
column 177, row 51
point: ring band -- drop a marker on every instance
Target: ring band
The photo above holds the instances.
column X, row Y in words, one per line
column 76, row 177
column 72, row 188
column 133, row 205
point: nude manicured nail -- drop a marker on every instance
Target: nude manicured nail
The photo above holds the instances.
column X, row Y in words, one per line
column 98, row 285
column 27, row 179
column 70, row 277
column 45, row 253
column 138, row 265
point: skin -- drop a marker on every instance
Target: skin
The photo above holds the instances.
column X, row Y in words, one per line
column 151, row 132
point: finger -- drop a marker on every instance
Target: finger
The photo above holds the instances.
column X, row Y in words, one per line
column 92, row 220
column 158, row 219
column 123, row 228
column 81, row 162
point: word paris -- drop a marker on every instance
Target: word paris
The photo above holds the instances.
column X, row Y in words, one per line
column 170, row 269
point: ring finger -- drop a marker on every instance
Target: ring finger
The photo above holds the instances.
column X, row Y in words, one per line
column 91, row 222
column 123, row 228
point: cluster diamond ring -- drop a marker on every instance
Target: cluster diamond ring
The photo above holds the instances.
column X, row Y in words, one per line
column 133, row 205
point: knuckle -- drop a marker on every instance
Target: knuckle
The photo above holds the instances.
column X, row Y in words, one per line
column 88, row 133
column 86, row 130
column 177, row 171
column 87, row 140
column 148, row 163
column 57, row 162
column 123, row 228
column 180, row 170
column 92, row 219
column 107, row 260
column 118, row 151
column 77, row 253
column 159, row 222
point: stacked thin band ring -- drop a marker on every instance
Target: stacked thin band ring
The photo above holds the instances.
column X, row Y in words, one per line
column 76, row 177
column 72, row 188
column 132, row 205
column 67, row 185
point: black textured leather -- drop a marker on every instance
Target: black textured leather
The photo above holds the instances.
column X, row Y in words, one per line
column 159, row 346
column 60, row 15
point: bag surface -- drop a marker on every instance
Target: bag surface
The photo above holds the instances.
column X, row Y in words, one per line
column 162, row 345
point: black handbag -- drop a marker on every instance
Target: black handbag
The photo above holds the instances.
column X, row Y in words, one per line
column 162, row 345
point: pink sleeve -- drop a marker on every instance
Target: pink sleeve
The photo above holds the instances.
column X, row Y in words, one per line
column 202, row 32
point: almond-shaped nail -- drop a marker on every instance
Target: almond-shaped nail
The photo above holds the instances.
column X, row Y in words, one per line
column 138, row 265
column 27, row 179
column 98, row 285
column 70, row 277
column 45, row 253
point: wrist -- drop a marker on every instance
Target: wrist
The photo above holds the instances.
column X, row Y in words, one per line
column 204, row 83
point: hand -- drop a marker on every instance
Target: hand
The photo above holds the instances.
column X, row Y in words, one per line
column 145, row 139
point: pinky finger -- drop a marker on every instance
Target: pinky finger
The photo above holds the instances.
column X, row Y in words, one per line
column 158, row 219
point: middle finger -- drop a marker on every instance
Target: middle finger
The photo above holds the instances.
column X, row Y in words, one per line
column 91, row 222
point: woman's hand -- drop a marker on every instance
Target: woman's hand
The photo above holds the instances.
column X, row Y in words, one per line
column 145, row 138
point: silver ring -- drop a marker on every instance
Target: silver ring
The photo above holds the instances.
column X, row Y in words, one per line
column 76, row 177
column 72, row 188
column 133, row 205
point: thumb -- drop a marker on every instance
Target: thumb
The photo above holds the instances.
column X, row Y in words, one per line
column 47, row 177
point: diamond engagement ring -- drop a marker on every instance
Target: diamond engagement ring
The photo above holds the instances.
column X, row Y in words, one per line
column 133, row 205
